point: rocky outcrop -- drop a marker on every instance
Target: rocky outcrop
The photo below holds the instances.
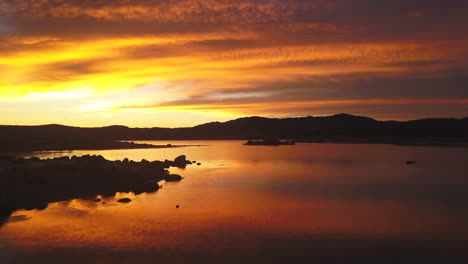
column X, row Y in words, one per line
column 124, row 200
column 33, row 183
column 173, row 177
column 179, row 162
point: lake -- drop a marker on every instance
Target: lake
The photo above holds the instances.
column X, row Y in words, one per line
column 330, row 203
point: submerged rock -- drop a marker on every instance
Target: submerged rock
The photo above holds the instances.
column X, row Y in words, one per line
column 410, row 162
column 124, row 200
column 173, row 177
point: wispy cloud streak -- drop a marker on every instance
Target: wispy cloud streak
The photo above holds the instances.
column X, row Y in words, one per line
column 233, row 58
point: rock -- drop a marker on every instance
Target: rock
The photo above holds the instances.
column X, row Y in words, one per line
column 124, row 200
column 177, row 206
column 146, row 187
column 108, row 194
column 6, row 210
column 410, row 162
column 168, row 163
column 198, row 164
column 32, row 184
column 172, row 177
column 181, row 161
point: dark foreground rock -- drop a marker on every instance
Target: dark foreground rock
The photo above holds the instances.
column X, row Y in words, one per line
column 179, row 162
column 33, row 183
column 172, row 177
column 124, row 200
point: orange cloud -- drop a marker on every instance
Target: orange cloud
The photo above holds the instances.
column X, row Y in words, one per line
column 233, row 57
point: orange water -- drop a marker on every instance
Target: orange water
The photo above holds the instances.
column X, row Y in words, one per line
column 261, row 204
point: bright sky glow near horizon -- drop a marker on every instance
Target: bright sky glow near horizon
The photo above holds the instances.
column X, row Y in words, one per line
column 181, row 63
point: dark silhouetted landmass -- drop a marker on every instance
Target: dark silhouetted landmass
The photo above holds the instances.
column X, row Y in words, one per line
column 341, row 128
column 56, row 137
column 269, row 142
column 33, row 183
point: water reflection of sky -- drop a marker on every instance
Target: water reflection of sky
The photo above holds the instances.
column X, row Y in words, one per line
column 245, row 198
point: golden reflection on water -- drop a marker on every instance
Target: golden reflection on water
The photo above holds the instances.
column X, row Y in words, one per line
column 307, row 189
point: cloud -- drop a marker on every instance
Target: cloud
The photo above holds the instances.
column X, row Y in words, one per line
column 63, row 95
column 4, row 28
column 235, row 56
column 414, row 107
column 95, row 107
column 336, row 20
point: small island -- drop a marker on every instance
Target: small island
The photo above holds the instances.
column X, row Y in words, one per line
column 33, row 183
column 269, row 142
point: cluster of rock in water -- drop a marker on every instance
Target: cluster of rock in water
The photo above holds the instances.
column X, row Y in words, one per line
column 33, row 183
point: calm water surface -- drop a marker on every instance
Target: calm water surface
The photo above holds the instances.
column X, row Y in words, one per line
column 289, row 204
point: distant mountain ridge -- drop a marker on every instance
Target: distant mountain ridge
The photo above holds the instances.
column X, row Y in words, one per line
column 335, row 128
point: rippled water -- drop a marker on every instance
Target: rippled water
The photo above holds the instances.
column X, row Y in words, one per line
column 310, row 202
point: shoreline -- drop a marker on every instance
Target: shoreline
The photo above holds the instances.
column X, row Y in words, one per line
column 13, row 148
column 138, row 144
column 33, row 183
column 400, row 142
column 397, row 142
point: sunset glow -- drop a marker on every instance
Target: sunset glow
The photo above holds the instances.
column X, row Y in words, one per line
column 182, row 63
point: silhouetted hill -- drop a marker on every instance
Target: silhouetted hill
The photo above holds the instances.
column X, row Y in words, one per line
column 336, row 128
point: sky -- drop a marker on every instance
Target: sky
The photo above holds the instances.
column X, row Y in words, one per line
column 176, row 63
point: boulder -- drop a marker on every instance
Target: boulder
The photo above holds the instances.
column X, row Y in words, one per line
column 172, row 177
column 148, row 187
column 124, row 200
column 181, row 161
column 168, row 163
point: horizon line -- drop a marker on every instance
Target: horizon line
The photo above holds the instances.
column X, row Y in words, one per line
column 245, row 117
